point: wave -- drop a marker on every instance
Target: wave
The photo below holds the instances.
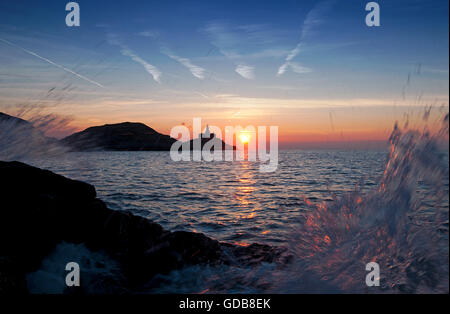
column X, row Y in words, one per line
column 402, row 225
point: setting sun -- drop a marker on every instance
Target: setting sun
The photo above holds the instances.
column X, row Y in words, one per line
column 225, row 149
column 244, row 137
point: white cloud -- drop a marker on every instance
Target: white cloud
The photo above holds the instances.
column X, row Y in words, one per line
column 312, row 20
column 294, row 66
column 226, row 40
column 149, row 33
column 151, row 69
column 196, row 71
column 245, row 71
column 298, row 68
column 315, row 17
column 223, row 38
column 202, row 95
column 268, row 53
column 435, row 70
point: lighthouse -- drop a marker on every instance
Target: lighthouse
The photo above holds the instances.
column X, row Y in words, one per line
column 206, row 134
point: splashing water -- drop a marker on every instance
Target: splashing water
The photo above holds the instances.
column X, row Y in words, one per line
column 22, row 139
column 24, row 134
column 403, row 226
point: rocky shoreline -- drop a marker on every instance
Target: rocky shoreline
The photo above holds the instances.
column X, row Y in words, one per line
column 41, row 210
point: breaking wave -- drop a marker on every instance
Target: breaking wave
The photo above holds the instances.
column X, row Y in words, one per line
column 402, row 225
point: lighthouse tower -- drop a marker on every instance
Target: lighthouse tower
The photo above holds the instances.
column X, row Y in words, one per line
column 207, row 133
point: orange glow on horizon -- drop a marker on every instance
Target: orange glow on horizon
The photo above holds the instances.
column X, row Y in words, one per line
column 244, row 137
column 365, row 127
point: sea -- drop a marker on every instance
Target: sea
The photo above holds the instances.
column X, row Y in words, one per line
column 228, row 201
column 333, row 211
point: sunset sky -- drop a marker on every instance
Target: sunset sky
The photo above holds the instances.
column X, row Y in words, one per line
column 313, row 68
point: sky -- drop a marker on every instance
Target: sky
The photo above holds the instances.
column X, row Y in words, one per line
column 313, row 68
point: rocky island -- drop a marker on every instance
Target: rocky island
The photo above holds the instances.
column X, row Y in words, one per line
column 21, row 138
column 126, row 136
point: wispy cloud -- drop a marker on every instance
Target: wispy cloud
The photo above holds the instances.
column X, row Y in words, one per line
column 124, row 50
column 245, row 71
column 151, row 69
column 227, row 41
column 52, row 63
column 312, row 20
column 150, row 34
column 315, row 17
column 202, row 95
column 268, row 53
column 295, row 67
column 196, row 71
column 435, row 70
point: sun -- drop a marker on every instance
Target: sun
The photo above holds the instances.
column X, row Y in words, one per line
column 244, row 137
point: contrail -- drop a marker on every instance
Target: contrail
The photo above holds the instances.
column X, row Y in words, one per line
column 313, row 19
column 124, row 50
column 53, row 63
column 196, row 71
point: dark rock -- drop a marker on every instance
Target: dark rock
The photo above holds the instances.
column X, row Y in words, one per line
column 41, row 209
column 12, row 280
column 125, row 136
column 257, row 253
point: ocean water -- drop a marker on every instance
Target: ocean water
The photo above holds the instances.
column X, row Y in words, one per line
column 334, row 212
column 228, row 201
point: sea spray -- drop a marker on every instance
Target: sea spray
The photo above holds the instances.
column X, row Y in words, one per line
column 22, row 140
column 27, row 131
column 402, row 226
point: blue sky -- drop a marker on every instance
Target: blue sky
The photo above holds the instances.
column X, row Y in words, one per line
column 164, row 62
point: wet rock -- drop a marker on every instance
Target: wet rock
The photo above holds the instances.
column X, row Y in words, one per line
column 257, row 253
column 40, row 209
column 12, row 280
